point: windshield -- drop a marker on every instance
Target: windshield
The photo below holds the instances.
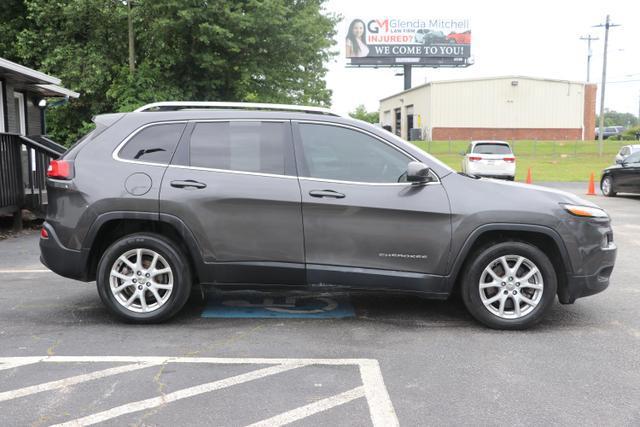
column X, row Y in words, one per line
column 634, row 158
column 490, row 148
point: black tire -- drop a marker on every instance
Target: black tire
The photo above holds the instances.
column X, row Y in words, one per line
column 609, row 187
column 180, row 269
column 480, row 259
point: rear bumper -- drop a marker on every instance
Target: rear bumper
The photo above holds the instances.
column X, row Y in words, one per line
column 61, row 260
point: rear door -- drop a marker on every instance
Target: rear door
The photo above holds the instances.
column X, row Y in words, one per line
column 364, row 226
column 233, row 183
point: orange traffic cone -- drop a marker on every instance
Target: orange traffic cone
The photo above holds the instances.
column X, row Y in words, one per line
column 529, row 179
column 592, row 186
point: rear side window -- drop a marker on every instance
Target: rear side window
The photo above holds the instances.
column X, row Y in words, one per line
column 240, row 146
column 492, row 149
column 154, row 144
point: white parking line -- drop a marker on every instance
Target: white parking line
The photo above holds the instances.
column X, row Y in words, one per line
column 311, row 409
column 39, row 388
column 373, row 389
column 176, row 395
column 22, row 361
column 380, row 406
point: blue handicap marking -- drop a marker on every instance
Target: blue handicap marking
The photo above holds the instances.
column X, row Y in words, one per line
column 268, row 305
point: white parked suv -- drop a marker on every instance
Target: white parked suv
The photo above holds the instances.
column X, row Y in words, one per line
column 626, row 151
column 491, row 159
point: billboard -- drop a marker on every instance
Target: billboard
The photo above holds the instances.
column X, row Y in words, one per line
column 428, row 42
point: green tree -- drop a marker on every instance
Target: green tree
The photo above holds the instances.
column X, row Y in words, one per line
column 13, row 13
column 215, row 50
column 614, row 118
column 361, row 113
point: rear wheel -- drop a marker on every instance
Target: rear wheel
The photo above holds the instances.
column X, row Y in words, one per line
column 509, row 285
column 142, row 278
column 606, row 186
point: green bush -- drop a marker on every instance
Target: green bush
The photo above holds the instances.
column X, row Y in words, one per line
column 630, row 134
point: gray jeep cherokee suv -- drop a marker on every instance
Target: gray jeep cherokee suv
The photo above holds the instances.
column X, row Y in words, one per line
column 153, row 201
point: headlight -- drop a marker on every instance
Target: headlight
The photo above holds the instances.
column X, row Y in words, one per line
column 585, row 211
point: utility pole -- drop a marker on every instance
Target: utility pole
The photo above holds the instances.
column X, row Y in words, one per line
column 606, row 26
column 407, row 76
column 132, row 52
column 588, row 38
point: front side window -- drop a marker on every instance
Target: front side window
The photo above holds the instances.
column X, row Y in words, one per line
column 240, row 146
column 154, row 144
column 332, row 152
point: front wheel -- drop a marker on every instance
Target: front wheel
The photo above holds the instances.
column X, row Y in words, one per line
column 606, row 186
column 142, row 278
column 509, row 285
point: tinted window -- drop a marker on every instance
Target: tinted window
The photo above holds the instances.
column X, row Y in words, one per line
column 332, row 152
column 492, row 149
column 154, row 144
column 240, row 146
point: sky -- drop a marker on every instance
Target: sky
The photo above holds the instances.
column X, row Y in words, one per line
column 534, row 38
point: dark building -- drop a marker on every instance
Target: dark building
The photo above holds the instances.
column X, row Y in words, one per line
column 25, row 151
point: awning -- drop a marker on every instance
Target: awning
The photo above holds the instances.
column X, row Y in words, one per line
column 34, row 81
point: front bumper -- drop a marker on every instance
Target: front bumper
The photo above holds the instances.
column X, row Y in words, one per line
column 582, row 286
column 61, row 260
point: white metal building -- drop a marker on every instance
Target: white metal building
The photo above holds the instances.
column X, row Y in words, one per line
column 510, row 107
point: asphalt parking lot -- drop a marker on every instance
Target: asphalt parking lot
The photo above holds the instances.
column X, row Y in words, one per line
column 381, row 360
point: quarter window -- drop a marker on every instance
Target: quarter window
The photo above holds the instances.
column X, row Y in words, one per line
column 240, row 146
column 332, row 152
column 154, row 144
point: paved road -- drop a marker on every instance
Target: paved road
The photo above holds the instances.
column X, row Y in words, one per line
column 436, row 365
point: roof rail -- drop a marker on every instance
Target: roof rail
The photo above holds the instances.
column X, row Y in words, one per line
column 188, row 105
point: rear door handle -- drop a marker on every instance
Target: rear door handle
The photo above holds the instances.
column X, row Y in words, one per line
column 326, row 193
column 188, row 183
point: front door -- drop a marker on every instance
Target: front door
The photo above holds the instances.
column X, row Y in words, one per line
column 364, row 225
column 630, row 174
column 233, row 183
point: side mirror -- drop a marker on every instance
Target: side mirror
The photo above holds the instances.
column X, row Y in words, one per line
column 418, row 172
column 619, row 161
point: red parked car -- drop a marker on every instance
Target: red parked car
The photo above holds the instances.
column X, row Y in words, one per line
column 460, row 38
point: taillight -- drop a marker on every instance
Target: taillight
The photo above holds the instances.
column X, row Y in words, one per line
column 509, row 159
column 60, row 169
column 474, row 158
column 44, row 233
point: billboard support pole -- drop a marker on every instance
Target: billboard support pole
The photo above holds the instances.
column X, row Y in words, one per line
column 407, row 76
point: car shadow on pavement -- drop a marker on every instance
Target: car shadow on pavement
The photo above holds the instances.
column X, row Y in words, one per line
column 397, row 310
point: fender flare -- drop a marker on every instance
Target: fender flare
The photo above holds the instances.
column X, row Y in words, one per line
column 184, row 231
column 532, row 228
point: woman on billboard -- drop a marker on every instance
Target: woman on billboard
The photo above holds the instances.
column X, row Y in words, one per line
column 356, row 40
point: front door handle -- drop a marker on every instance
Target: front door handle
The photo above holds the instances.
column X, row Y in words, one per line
column 188, row 183
column 326, row 193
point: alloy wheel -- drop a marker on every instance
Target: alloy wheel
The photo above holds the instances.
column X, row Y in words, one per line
column 511, row 286
column 141, row 280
